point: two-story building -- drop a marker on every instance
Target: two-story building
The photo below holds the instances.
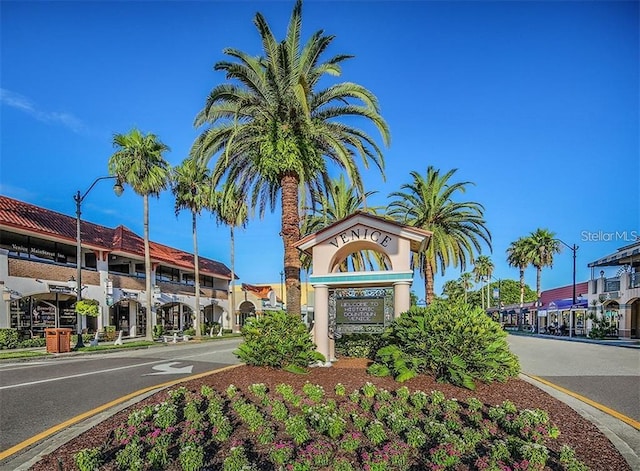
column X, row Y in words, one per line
column 38, row 265
column 614, row 289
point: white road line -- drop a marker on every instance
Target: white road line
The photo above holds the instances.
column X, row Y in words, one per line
column 79, row 375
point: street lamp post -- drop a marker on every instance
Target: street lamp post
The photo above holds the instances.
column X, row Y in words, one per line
column 574, row 249
column 79, row 198
column 282, row 288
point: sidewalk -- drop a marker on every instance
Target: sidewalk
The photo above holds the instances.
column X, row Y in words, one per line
column 627, row 343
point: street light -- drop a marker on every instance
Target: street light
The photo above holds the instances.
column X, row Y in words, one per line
column 282, row 287
column 574, row 249
column 79, row 198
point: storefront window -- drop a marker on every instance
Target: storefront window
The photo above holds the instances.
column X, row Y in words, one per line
column 167, row 274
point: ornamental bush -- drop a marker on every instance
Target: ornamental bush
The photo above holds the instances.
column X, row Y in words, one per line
column 456, row 343
column 88, row 307
column 9, row 338
column 278, row 340
column 358, row 345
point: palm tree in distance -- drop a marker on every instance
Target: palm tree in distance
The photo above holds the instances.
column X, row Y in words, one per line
column 339, row 201
column 518, row 257
column 190, row 184
column 458, row 227
column 230, row 208
column 274, row 132
column 483, row 269
column 541, row 247
column 467, row 284
column 138, row 162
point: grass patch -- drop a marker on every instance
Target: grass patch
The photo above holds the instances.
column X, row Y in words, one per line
column 99, row 348
column 8, row 355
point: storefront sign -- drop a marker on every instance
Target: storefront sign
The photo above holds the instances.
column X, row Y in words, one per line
column 61, row 289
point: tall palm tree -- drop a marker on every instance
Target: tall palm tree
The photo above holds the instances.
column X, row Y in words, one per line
column 138, row 162
column 465, row 281
column 230, row 208
column 274, row 132
column 457, row 227
column 542, row 246
column 518, row 256
column 338, row 201
column 191, row 187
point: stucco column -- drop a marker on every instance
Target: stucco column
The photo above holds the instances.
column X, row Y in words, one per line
column 401, row 297
column 321, row 321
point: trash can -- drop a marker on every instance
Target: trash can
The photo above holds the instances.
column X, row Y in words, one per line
column 58, row 340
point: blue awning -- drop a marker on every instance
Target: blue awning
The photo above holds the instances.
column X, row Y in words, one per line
column 564, row 304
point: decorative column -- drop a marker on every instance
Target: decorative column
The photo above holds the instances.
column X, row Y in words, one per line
column 321, row 323
column 401, row 297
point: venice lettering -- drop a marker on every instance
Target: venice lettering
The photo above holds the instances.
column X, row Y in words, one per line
column 361, row 234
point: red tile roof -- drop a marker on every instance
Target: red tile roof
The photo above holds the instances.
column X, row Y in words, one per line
column 25, row 217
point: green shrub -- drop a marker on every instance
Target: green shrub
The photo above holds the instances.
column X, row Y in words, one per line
column 88, row 307
column 88, row 459
column 453, row 341
column 602, row 327
column 158, row 330
column 358, row 345
column 190, row 332
column 9, row 338
column 278, row 340
column 33, row 342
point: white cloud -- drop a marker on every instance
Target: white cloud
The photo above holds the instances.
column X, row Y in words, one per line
column 22, row 103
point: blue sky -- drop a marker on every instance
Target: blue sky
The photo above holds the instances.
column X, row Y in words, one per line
column 535, row 102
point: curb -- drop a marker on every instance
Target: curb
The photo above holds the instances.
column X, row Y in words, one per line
column 622, row 431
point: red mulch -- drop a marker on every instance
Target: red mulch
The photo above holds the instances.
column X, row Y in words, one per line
column 591, row 446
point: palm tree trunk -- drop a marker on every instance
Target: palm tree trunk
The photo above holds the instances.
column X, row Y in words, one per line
column 538, row 281
column 196, row 264
column 233, row 279
column 428, row 283
column 521, row 287
column 147, row 272
column 291, row 235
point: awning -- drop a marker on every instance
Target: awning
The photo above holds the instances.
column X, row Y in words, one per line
column 565, row 304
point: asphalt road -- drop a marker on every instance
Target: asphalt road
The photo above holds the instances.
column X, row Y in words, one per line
column 38, row 395
column 605, row 374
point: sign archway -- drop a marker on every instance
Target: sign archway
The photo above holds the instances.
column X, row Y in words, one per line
column 359, row 301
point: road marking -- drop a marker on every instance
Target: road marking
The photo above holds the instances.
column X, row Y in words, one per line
column 79, row 375
column 169, row 369
column 627, row 420
column 74, row 420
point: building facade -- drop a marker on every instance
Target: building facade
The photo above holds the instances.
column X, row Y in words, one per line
column 614, row 290
column 38, row 265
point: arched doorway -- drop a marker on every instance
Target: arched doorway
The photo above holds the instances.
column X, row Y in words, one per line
column 246, row 310
column 175, row 316
column 213, row 316
column 128, row 316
